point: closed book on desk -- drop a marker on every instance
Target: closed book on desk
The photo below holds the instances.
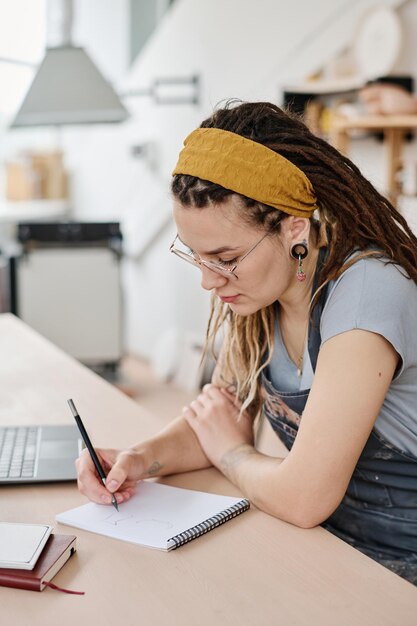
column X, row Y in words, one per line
column 55, row 554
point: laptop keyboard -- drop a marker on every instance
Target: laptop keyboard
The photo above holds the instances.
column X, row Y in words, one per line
column 18, row 451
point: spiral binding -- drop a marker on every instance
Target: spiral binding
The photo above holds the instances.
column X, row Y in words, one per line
column 207, row 525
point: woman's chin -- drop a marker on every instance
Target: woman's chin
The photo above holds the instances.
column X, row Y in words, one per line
column 244, row 308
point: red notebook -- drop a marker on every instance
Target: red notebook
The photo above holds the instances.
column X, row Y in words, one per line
column 55, row 554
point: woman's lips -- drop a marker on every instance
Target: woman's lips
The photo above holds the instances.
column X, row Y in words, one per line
column 229, row 299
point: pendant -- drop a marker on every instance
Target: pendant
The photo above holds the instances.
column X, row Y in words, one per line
column 301, row 276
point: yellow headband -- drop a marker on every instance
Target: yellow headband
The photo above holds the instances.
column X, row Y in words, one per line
column 248, row 168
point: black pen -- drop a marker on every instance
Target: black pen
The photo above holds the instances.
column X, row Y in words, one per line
column 91, row 449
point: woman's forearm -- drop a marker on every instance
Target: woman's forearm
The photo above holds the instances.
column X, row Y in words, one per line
column 265, row 482
column 173, row 450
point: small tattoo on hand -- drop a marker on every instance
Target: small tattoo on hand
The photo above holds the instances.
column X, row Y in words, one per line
column 154, row 468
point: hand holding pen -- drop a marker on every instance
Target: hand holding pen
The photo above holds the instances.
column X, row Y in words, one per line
column 91, row 450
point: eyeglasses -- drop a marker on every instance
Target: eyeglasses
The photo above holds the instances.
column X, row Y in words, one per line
column 220, row 267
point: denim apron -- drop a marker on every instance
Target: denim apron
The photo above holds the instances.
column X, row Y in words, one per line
column 378, row 514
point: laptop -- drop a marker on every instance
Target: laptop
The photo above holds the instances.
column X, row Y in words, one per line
column 37, row 454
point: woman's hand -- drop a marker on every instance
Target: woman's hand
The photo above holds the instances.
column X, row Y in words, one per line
column 213, row 416
column 123, row 468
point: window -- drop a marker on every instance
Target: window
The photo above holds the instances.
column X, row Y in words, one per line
column 22, row 39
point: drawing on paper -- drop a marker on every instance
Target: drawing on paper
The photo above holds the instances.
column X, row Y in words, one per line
column 162, row 524
column 116, row 519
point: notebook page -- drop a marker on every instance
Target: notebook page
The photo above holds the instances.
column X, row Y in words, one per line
column 151, row 517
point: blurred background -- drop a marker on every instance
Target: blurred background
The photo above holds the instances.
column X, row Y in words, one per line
column 96, row 97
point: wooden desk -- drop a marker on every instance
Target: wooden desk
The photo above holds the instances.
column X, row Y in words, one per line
column 253, row 570
column 394, row 128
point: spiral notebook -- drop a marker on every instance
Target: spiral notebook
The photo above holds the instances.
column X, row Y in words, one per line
column 157, row 516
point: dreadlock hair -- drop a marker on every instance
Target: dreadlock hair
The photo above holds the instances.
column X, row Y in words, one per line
column 352, row 216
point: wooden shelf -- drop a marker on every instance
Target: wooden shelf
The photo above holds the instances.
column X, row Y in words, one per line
column 374, row 122
column 326, row 87
column 393, row 127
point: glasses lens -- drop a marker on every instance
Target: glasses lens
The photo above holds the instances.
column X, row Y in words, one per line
column 214, row 267
column 186, row 256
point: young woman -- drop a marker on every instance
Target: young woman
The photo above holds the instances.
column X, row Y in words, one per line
column 314, row 282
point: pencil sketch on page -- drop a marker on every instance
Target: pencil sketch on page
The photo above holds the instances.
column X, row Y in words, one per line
column 115, row 519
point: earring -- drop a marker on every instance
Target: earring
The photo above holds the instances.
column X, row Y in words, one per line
column 296, row 254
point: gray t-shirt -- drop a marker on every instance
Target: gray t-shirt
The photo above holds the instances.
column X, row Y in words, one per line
column 377, row 297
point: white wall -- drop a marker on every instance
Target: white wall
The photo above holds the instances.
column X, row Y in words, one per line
column 241, row 49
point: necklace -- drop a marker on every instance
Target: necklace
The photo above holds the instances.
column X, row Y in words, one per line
column 296, row 356
column 300, row 361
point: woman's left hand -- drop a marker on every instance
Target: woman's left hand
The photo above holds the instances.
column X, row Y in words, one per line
column 213, row 416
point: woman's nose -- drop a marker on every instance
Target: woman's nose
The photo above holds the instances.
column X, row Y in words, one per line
column 210, row 279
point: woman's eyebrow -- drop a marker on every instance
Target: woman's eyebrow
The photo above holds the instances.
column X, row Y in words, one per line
column 220, row 250
column 212, row 252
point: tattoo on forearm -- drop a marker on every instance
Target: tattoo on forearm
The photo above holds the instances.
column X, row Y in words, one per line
column 154, row 468
column 235, row 457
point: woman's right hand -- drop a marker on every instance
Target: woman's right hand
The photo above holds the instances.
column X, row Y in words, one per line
column 123, row 469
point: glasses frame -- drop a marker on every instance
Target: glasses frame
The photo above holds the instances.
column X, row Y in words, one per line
column 197, row 261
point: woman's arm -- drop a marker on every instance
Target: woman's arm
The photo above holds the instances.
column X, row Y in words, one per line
column 175, row 449
column 354, row 372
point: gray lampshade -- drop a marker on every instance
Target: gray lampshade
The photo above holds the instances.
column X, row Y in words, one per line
column 69, row 89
